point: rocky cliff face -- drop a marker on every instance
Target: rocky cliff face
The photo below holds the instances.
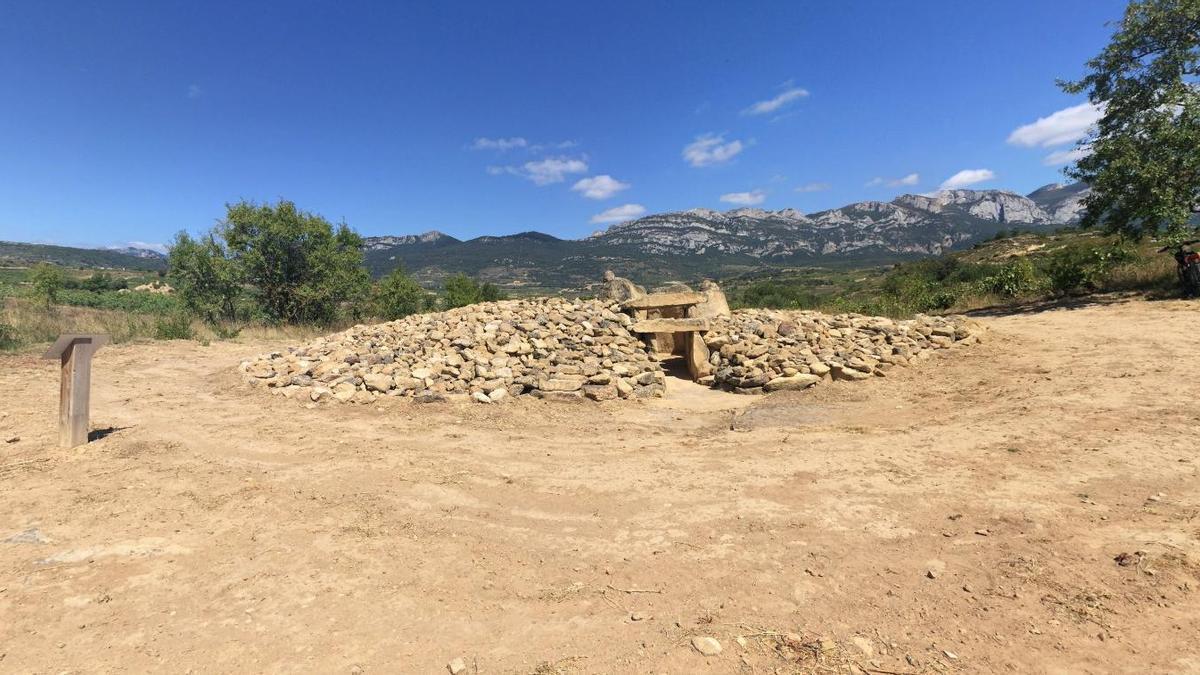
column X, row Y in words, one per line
column 699, row 242
column 909, row 224
column 386, row 242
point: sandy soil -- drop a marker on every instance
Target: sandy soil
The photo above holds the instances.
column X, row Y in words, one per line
column 963, row 515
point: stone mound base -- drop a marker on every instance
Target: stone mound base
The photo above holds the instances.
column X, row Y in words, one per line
column 763, row 350
column 559, row 349
column 545, row 347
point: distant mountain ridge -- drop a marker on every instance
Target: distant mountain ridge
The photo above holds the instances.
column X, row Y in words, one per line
column 18, row 254
column 700, row 242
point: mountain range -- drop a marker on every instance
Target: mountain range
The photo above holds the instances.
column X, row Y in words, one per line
column 696, row 243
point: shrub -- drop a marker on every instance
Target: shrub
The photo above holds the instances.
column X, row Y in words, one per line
column 47, row 282
column 461, row 290
column 8, row 336
column 1012, row 280
column 397, row 295
column 295, row 266
column 175, row 326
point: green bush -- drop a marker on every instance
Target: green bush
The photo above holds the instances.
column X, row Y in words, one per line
column 397, row 295
column 1015, row 279
column 1086, row 266
column 8, row 336
column 295, row 266
column 461, row 290
column 48, row 282
column 175, row 326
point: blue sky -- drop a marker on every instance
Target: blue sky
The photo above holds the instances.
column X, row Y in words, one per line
column 129, row 121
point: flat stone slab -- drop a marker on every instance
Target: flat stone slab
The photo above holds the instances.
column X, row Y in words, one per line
column 670, row 325
column 659, row 300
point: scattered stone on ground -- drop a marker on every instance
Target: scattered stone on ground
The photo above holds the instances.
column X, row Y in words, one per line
column 568, row 350
column 457, row 667
column 708, row 646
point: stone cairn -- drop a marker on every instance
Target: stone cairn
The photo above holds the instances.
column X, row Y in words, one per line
column 560, row 349
column 755, row 351
column 545, row 347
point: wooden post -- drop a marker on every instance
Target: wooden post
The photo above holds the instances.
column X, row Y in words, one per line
column 74, row 352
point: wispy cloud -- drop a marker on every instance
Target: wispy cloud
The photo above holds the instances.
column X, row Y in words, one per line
column 788, row 95
column 813, row 187
column 619, row 213
column 599, row 187
column 751, row 198
column 1064, row 126
column 194, row 91
column 500, row 144
column 903, row 181
column 1066, row 156
column 710, row 149
column 543, row 171
column 967, row 177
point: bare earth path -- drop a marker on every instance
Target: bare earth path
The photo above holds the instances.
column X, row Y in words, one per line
column 960, row 516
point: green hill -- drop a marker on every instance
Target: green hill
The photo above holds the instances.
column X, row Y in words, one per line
column 16, row 254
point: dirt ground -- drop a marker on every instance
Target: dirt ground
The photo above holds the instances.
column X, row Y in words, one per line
column 963, row 515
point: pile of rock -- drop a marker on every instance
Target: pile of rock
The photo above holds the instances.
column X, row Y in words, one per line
column 754, row 351
column 549, row 347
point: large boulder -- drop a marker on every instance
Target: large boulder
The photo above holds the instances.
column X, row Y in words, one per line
column 618, row 289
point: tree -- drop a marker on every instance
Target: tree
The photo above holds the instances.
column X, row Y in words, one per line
column 397, row 295
column 461, row 290
column 47, row 281
column 204, row 277
column 1144, row 161
column 298, row 266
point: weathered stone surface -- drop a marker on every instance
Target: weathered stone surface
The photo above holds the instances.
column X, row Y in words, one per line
column 793, row 382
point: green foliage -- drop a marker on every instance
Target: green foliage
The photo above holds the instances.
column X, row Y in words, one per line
column 461, row 290
column 397, row 295
column 275, row 261
column 1015, row 279
column 204, row 277
column 297, row 265
column 774, row 294
column 1085, row 267
column 135, row 302
column 175, row 326
column 8, row 336
column 47, row 283
column 103, row 281
column 1144, row 166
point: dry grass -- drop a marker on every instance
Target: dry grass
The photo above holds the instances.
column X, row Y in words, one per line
column 25, row 324
column 33, row 324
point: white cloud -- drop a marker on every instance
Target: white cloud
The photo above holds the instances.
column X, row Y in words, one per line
column 745, row 198
column 709, row 149
column 772, row 104
column 967, row 177
column 1068, row 156
column 599, row 187
column 813, row 187
column 194, row 91
column 1065, row 126
column 910, row 179
column 619, row 213
column 543, row 171
column 500, row 144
